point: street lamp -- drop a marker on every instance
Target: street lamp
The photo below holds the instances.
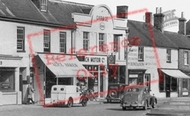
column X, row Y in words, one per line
column 126, row 57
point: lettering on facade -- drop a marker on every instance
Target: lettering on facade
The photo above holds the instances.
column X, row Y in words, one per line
column 101, row 18
column 71, row 64
column 95, row 59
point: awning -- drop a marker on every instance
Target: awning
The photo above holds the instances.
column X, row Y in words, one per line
column 175, row 73
column 64, row 65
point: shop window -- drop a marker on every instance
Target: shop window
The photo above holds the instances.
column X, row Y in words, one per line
column 161, row 82
column 101, row 42
column 116, row 43
column 140, row 53
column 148, row 81
column 185, row 57
column 133, row 81
column 7, row 81
column 20, row 39
column 173, row 84
column 62, row 42
column 46, row 40
column 185, row 85
column 168, row 53
column 85, row 41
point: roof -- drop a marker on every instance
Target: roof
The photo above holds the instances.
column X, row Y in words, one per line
column 188, row 27
column 58, row 12
column 180, row 40
column 141, row 30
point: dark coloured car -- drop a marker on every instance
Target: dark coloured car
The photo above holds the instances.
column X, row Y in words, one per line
column 115, row 91
column 136, row 97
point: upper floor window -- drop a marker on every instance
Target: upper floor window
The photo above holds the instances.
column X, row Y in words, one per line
column 101, row 42
column 168, row 57
column 140, row 53
column 116, row 43
column 20, row 39
column 86, row 40
column 185, row 55
column 62, row 36
column 46, row 40
column 44, row 5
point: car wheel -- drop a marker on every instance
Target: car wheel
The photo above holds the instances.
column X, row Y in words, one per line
column 145, row 106
column 108, row 101
column 70, row 103
column 84, row 102
column 124, row 108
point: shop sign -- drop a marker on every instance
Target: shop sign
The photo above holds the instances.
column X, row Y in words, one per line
column 95, row 59
column 5, row 85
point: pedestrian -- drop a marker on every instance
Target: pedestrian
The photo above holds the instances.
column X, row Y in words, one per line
column 153, row 101
column 30, row 93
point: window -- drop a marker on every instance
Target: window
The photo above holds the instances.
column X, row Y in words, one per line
column 168, row 53
column 185, row 57
column 7, row 82
column 20, row 39
column 86, row 40
column 44, row 5
column 116, row 43
column 185, row 85
column 140, row 54
column 101, row 42
column 46, row 40
column 62, row 36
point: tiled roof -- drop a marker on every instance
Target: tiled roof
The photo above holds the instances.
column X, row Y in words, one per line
column 141, row 30
column 58, row 12
column 180, row 40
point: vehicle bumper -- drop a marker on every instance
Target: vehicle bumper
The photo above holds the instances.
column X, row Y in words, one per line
column 131, row 105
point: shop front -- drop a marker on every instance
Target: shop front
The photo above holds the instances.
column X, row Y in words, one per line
column 173, row 83
column 11, row 71
column 56, row 69
column 97, row 66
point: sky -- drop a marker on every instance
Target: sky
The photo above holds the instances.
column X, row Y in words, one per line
column 177, row 5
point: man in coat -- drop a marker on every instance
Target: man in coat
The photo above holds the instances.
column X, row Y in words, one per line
column 30, row 92
column 153, row 101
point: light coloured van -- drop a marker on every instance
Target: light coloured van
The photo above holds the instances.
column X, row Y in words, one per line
column 67, row 95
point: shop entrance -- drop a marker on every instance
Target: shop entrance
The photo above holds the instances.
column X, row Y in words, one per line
column 168, row 84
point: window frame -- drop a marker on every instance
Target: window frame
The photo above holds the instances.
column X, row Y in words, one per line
column 116, row 43
column 63, row 41
column 186, row 60
column 168, row 55
column 22, row 39
column 48, row 36
column 86, row 40
column 101, row 41
column 140, row 53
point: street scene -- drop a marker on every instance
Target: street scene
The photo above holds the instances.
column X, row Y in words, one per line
column 86, row 58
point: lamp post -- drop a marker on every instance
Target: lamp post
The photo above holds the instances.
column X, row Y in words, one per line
column 126, row 57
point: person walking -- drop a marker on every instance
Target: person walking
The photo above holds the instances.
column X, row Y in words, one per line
column 153, row 101
column 30, row 93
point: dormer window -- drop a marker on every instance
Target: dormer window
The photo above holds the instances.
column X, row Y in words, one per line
column 44, row 5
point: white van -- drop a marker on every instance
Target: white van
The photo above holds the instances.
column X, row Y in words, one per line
column 67, row 95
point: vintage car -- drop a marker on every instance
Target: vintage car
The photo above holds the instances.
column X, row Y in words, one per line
column 67, row 95
column 136, row 97
column 115, row 91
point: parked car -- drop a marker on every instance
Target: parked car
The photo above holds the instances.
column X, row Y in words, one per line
column 67, row 95
column 136, row 97
column 115, row 91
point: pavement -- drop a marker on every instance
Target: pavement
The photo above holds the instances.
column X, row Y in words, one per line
column 25, row 106
column 179, row 106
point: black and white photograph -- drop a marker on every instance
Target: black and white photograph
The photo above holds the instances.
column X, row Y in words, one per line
column 94, row 58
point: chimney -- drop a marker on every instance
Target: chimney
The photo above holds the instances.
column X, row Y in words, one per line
column 122, row 12
column 159, row 19
column 182, row 25
column 148, row 17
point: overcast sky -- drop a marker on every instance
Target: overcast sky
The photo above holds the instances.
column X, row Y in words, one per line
column 179, row 6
